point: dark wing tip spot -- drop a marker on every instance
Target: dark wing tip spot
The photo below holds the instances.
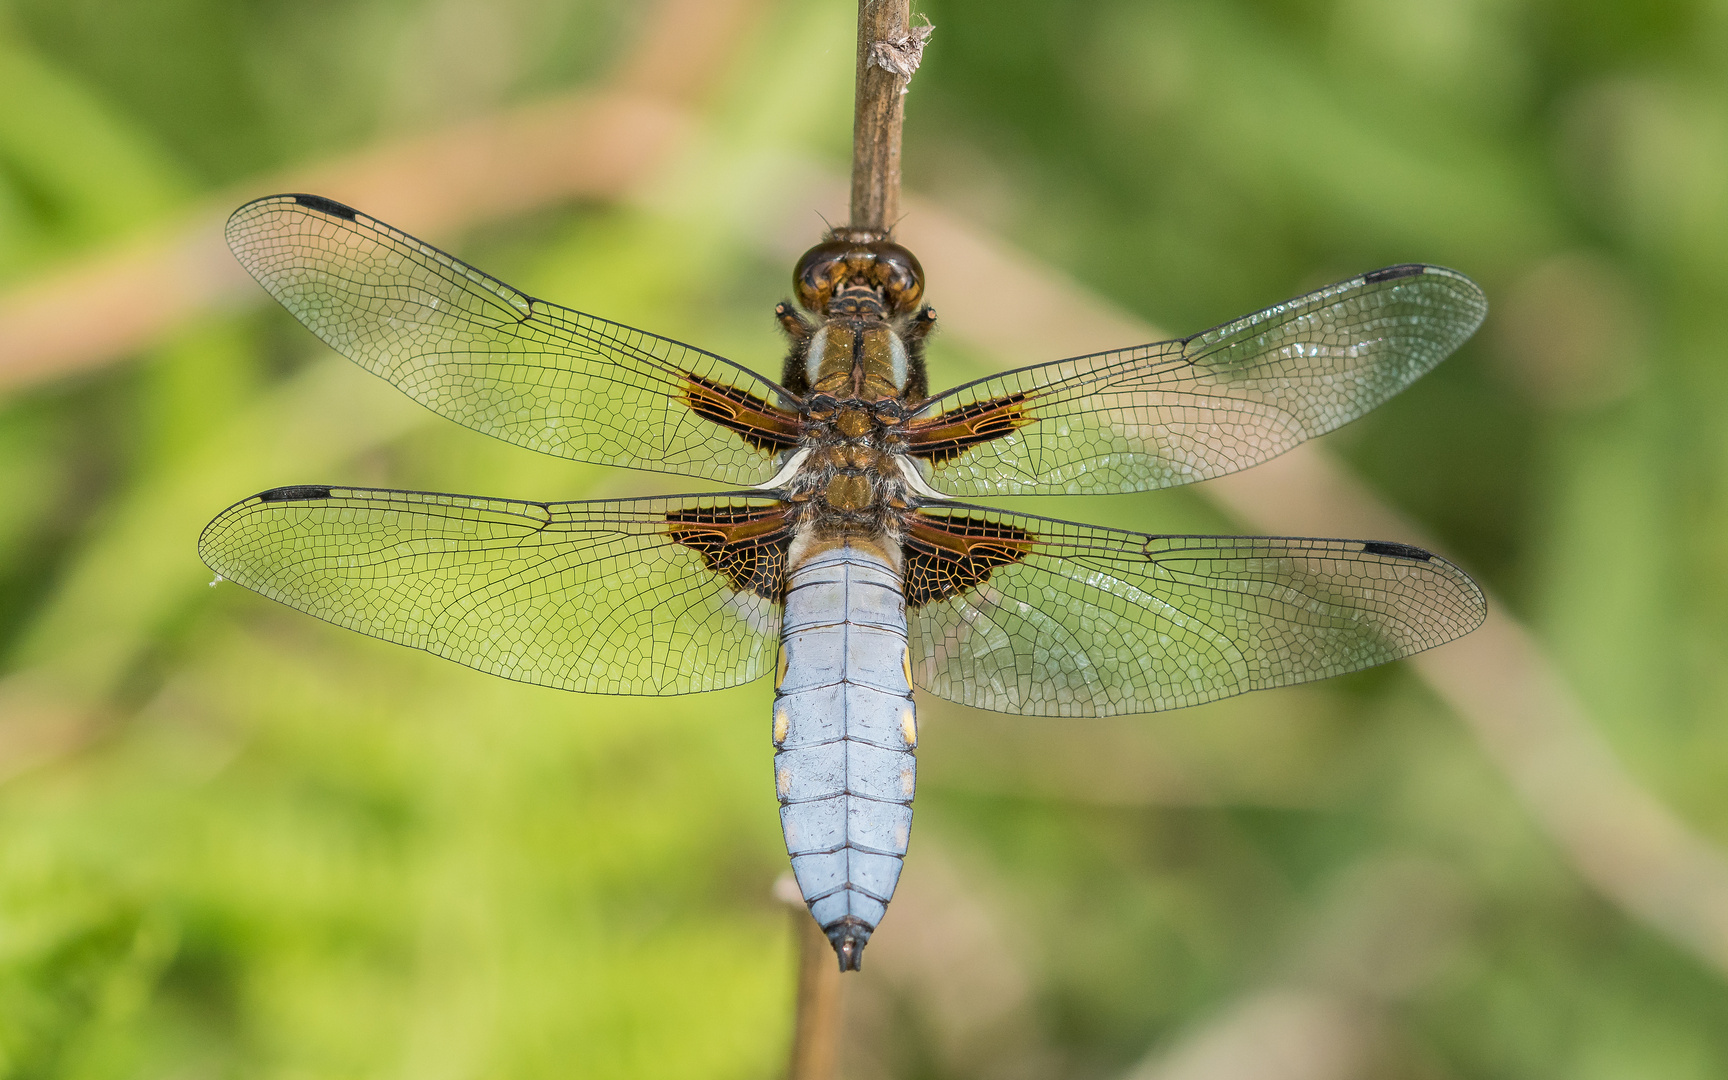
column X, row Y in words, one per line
column 1396, row 551
column 1391, row 273
column 295, row 493
column 326, row 206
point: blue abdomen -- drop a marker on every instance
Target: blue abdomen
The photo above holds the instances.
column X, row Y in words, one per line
column 845, row 728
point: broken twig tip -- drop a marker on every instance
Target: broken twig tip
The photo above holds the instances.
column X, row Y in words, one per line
column 901, row 56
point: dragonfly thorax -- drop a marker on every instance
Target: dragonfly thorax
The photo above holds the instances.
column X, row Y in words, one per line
column 857, row 358
column 851, row 481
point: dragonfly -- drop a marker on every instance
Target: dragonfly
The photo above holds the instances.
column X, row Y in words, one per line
column 843, row 556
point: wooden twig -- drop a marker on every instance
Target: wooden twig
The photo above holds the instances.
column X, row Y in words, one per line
column 888, row 53
column 816, row 1024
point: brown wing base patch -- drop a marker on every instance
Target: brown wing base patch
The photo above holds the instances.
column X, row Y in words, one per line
column 950, row 434
column 762, row 425
column 946, row 555
column 746, row 545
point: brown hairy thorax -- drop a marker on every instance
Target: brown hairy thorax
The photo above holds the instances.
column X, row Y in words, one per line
column 857, row 362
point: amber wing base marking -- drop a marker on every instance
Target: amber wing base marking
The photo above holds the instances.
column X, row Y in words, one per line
column 947, row 436
column 761, row 424
column 745, row 545
column 948, row 554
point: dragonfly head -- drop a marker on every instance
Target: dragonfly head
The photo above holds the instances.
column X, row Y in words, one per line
column 859, row 276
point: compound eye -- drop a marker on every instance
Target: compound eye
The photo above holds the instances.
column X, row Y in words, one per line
column 881, row 266
column 819, row 272
column 898, row 275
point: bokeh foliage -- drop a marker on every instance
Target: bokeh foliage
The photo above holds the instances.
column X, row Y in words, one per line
column 234, row 841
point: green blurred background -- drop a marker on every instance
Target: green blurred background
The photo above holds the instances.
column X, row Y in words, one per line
column 237, row 842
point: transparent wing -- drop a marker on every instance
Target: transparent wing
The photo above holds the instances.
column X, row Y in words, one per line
column 477, row 351
column 639, row 596
column 1180, row 411
column 1049, row 618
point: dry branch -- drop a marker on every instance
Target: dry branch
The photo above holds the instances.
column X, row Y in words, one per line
column 816, row 1017
column 879, row 110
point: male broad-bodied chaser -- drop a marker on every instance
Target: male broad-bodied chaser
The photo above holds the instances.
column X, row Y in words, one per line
column 846, row 552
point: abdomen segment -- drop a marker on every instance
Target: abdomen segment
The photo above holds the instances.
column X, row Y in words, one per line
column 845, row 729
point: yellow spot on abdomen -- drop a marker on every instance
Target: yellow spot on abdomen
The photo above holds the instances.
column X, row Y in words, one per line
column 906, row 664
column 909, row 725
column 783, row 782
column 780, row 675
column 782, row 725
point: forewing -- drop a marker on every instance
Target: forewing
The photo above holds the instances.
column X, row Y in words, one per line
column 483, row 354
column 639, row 596
column 1180, row 411
column 1049, row 618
